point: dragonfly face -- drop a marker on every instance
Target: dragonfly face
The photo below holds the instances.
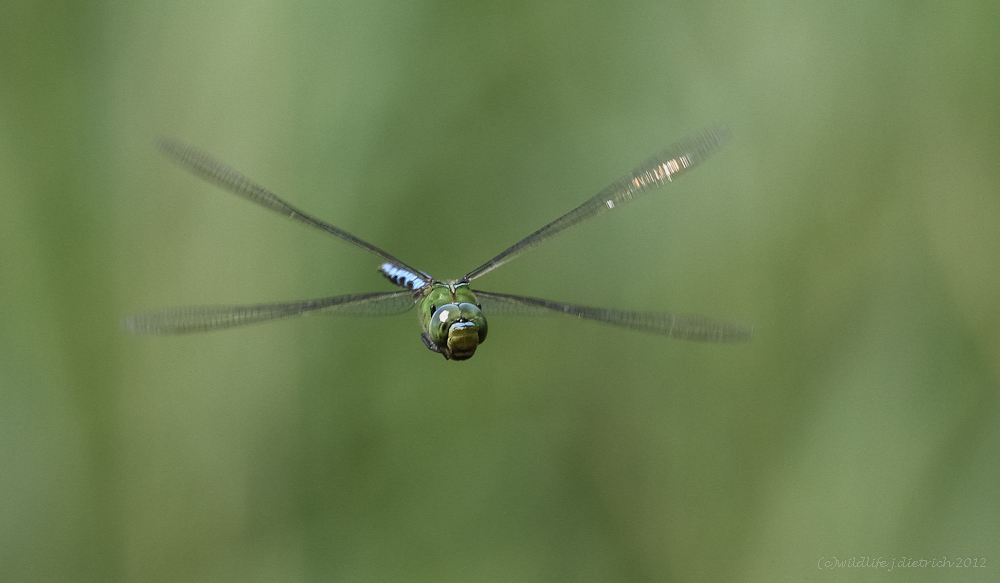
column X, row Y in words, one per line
column 453, row 324
column 452, row 314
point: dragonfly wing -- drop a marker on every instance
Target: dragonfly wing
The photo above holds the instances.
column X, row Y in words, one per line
column 208, row 318
column 654, row 172
column 207, row 167
column 679, row 326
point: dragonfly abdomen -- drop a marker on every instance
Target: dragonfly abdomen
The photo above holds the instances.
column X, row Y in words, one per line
column 402, row 277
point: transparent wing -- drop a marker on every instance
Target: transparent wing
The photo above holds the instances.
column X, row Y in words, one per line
column 208, row 318
column 205, row 166
column 654, row 172
column 679, row 326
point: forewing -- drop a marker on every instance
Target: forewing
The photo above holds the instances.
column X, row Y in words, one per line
column 695, row 328
column 654, row 172
column 208, row 318
column 207, row 167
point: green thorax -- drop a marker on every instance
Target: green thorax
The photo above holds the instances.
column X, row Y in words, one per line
column 452, row 320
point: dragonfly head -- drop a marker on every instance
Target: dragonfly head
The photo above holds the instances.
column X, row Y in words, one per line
column 457, row 329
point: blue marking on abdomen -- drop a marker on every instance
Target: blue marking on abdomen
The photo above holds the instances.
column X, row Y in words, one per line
column 402, row 277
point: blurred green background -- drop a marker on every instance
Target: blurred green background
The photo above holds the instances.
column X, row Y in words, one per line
column 853, row 220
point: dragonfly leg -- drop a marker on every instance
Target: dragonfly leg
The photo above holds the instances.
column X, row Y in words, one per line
column 430, row 343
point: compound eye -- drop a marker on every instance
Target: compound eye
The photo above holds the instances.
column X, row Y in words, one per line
column 442, row 317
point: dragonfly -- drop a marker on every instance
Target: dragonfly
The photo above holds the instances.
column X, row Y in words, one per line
column 452, row 314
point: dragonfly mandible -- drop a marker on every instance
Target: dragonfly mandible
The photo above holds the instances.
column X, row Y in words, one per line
column 452, row 314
